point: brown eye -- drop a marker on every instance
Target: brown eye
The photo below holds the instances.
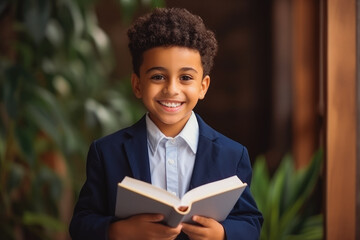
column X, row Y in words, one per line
column 186, row 78
column 157, row 77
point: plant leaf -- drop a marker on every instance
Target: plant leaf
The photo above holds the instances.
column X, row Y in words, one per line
column 36, row 15
column 260, row 182
column 307, row 177
column 275, row 199
column 305, row 181
column 41, row 219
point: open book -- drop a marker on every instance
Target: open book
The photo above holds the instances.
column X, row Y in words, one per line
column 214, row 200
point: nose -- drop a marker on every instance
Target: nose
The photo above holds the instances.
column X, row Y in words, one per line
column 171, row 87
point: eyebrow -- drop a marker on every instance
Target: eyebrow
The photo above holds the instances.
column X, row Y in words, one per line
column 164, row 69
column 155, row 68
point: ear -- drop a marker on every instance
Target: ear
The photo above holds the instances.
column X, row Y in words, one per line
column 135, row 83
column 205, row 83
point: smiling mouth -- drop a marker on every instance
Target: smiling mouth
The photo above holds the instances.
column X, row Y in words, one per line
column 171, row 104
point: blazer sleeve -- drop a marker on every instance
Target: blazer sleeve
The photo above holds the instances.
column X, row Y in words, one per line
column 245, row 220
column 90, row 219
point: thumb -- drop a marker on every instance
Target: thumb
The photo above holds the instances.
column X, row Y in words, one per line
column 153, row 217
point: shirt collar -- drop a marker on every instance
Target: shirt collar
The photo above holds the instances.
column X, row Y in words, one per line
column 190, row 134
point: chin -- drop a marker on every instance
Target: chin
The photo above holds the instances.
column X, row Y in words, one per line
column 172, row 119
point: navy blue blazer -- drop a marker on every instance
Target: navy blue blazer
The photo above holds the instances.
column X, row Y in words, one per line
column 125, row 153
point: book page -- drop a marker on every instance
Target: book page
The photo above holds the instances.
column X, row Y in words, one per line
column 210, row 189
column 217, row 206
column 150, row 191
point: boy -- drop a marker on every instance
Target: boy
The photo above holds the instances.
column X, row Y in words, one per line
column 171, row 147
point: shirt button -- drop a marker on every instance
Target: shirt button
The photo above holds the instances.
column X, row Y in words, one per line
column 173, row 141
column 171, row 161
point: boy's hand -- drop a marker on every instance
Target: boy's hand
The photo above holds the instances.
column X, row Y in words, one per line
column 143, row 227
column 209, row 229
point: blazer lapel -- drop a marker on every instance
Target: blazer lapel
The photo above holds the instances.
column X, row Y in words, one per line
column 137, row 151
column 207, row 151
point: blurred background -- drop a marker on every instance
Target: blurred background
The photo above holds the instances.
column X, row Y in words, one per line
column 64, row 81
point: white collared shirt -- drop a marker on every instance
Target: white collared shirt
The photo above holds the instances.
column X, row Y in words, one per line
column 172, row 159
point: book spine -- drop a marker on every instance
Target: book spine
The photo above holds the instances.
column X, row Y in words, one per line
column 174, row 219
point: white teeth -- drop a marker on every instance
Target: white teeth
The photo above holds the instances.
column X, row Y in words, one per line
column 171, row 104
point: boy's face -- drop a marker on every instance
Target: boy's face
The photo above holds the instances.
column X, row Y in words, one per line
column 170, row 84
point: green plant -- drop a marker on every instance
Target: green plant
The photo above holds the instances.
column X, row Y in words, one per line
column 285, row 202
column 56, row 95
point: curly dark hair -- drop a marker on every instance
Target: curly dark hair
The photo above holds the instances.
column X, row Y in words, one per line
column 171, row 27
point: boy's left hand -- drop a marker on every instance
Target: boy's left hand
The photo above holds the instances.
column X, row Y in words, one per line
column 209, row 229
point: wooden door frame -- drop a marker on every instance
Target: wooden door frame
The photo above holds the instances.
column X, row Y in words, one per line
column 340, row 30
column 358, row 119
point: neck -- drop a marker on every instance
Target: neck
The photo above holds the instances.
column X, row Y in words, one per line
column 172, row 129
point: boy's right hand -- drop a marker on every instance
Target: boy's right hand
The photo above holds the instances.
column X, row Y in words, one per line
column 143, row 227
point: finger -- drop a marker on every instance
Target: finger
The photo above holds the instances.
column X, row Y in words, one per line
column 204, row 221
column 211, row 228
column 150, row 217
column 165, row 232
column 179, row 227
column 189, row 227
column 155, row 217
column 192, row 230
